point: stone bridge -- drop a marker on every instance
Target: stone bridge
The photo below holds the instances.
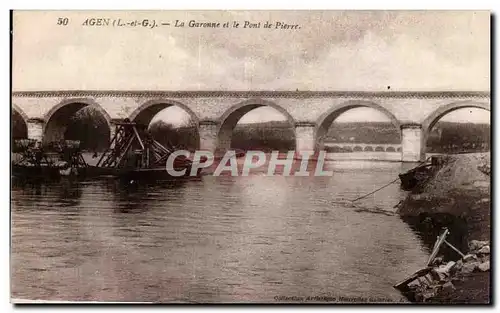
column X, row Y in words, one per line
column 357, row 147
column 46, row 113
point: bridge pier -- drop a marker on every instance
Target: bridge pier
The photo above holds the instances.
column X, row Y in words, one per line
column 412, row 143
column 208, row 135
column 304, row 137
column 35, row 129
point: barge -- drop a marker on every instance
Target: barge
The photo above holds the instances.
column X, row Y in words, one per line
column 419, row 175
column 133, row 154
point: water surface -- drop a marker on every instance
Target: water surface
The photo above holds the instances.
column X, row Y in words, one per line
column 214, row 239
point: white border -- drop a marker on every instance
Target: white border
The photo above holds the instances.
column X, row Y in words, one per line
column 255, row 4
column 187, row 4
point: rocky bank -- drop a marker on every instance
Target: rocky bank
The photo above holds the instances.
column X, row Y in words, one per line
column 456, row 197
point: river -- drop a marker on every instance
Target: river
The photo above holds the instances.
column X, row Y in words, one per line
column 214, row 239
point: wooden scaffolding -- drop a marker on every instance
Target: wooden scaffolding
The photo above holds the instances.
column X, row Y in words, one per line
column 133, row 146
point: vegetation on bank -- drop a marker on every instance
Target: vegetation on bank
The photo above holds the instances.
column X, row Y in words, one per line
column 183, row 138
column 270, row 136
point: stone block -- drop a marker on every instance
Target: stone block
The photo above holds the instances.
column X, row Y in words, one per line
column 469, row 258
column 469, row 267
column 449, row 266
column 484, row 250
column 457, row 267
column 484, row 267
column 440, row 276
column 477, row 244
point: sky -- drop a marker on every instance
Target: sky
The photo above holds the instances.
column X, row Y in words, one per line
column 330, row 50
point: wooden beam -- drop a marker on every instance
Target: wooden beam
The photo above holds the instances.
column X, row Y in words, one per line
column 437, row 245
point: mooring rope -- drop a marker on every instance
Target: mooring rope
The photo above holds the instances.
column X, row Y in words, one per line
column 390, row 183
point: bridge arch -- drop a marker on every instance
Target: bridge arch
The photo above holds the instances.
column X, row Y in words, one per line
column 230, row 118
column 17, row 110
column 435, row 116
column 327, row 118
column 56, row 120
column 379, row 149
column 145, row 113
column 431, row 120
column 390, row 149
column 19, row 123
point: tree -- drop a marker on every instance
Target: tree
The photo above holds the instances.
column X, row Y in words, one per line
column 182, row 138
column 89, row 126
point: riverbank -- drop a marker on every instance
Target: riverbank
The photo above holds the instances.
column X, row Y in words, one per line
column 457, row 197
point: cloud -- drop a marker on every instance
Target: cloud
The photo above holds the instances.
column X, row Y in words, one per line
column 333, row 50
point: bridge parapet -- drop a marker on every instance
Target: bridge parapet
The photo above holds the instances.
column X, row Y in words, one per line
column 211, row 105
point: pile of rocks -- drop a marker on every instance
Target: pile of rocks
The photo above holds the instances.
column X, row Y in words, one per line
column 440, row 278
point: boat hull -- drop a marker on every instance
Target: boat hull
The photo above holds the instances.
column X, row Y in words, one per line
column 415, row 177
column 50, row 173
column 138, row 174
column 24, row 171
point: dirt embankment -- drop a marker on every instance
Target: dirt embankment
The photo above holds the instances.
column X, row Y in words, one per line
column 460, row 189
column 456, row 197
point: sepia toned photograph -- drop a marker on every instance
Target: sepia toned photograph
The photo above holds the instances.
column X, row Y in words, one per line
column 255, row 157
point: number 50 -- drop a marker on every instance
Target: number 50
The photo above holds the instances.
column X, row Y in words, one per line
column 62, row 21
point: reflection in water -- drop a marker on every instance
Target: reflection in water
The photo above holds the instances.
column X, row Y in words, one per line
column 214, row 239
